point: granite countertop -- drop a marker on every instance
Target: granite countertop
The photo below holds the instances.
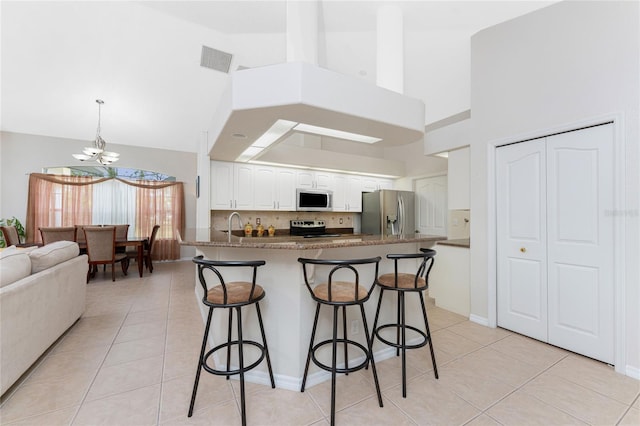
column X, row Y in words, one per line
column 463, row 242
column 220, row 239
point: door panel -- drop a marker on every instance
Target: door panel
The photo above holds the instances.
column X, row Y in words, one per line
column 521, row 238
column 431, row 205
column 580, row 241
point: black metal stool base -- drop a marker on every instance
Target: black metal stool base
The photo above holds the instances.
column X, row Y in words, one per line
column 401, row 328
column 228, row 373
column 347, row 369
column 398, row 328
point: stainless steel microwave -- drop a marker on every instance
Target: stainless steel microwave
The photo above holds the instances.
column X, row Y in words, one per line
column 314, row 200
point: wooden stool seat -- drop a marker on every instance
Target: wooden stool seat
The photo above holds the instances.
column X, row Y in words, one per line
column 341, row 291
column 405, row 281
column 237, row 292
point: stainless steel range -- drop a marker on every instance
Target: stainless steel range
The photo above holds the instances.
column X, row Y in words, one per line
column 309, row 229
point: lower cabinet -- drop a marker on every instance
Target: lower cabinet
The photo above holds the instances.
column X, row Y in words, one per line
column 449, row 279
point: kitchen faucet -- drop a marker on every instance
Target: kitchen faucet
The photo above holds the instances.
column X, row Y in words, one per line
column 229, row 224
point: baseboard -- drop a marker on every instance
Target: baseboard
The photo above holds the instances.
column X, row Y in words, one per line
column 479, row 320
column 633, row 372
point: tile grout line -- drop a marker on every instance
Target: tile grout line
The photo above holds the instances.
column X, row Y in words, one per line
column 164, row 350
column 75, row 416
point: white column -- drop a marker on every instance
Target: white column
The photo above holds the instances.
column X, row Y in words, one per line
column 390, row 48
column 302, row 31
column 203, row 166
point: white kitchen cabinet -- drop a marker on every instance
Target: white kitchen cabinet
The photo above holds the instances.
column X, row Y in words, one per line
column 221, row 187
column 347, row 195
column 264, row 196
column 371, row 184
column 449, row 280
column 231, row 186
column 285, row 189
column 310, row 179
column 274, row 188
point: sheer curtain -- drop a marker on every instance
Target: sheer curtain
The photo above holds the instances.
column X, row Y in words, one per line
column 56, row 200
column 114, row 202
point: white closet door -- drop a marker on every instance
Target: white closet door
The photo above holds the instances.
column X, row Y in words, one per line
column 431, row 205
column 580, row 241
column 521, row 239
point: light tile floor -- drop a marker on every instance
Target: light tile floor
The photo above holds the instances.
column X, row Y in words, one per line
column 131, row 358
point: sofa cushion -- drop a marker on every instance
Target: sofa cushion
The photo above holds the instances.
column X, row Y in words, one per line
column 52, row 254
column 14, row 265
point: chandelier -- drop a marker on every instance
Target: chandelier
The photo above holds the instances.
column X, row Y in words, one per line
column 97, row 152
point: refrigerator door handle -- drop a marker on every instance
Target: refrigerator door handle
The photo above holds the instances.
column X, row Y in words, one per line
column 400, row 216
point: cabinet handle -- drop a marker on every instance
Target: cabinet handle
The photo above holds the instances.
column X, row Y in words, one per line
column 523, row 250
column 231, row 204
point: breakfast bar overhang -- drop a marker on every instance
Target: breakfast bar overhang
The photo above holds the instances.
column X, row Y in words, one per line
column 288, row 309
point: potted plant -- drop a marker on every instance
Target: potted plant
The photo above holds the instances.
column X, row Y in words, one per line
column 12, row 222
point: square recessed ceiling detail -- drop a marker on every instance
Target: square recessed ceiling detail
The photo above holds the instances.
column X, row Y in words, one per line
column 215, row 59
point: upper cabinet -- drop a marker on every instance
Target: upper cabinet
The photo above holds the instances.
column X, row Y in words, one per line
column 347, row 195
column 241, row 186
column 231, row 186
column 371, row 184
column 310, row 179
column 458, row 179
column 285, row 189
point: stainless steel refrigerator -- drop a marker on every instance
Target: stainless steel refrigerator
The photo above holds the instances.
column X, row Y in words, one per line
column 388, row 212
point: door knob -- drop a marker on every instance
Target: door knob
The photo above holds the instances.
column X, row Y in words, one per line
column 523, row 250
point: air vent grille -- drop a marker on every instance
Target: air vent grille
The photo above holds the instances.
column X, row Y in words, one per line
column 215, row 59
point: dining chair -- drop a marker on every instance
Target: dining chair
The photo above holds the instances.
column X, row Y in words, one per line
column 147, row 250
column 57, row 233
column 101, row 249
column 121, row 234
column 10, row 235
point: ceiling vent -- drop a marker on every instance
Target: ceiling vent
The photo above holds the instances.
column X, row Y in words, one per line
column 215, row 59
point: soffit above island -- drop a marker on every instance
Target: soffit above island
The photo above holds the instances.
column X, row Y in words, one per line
column 298, row 92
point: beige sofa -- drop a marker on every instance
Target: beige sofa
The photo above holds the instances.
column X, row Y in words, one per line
column 42, row 294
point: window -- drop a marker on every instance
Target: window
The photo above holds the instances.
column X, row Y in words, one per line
column 72, row 199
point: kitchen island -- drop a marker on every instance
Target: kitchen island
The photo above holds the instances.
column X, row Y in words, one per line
column 288, row 309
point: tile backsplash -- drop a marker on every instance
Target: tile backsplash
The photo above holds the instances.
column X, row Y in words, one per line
column 280, row 219
column 459, row 224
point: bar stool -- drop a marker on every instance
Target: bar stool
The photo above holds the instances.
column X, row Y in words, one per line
column 403, row 283
column 231, row 295
column 339, row 294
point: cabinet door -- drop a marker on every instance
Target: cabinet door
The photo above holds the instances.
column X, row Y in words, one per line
column 285, row 189
column 221, row 185
column 243, row 187
column 521, row 238
column 369, row 184
column 340, row 193
column 354, row 194
column 264, row 192
column 385, row 184
column 305, row 179
column 324, row 180
column 431, row 205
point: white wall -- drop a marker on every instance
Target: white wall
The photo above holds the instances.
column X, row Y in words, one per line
column 416, row 164
column 458, row 181
column 568, row 63
column 21, row 154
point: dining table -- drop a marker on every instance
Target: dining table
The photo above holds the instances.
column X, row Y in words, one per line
column 138, row 243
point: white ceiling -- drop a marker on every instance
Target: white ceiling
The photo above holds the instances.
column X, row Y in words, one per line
column 143, row 60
